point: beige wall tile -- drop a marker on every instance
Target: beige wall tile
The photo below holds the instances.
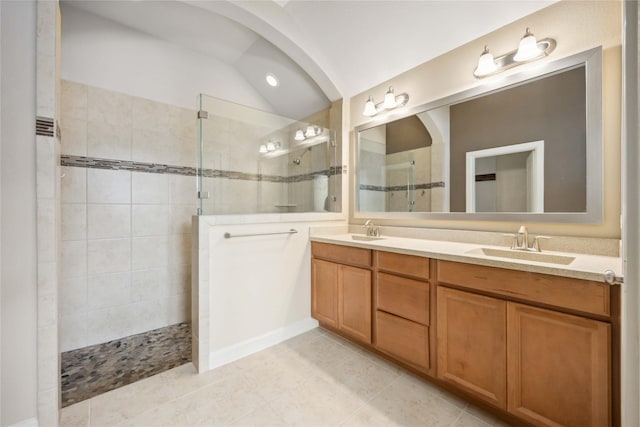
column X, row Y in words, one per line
column 74, row 101
column 74, row 221
column 74, row 136
column 149, row 188
column 150, row 220
column 108, row 141
column 152, row 146
column 108, row 290
column 149, row 252
column 179, row 249
column 180, row 218
column 73, row 185
column 182, row 189
column 73, row 259
column 104, row 106
column 108, row 256
column 183, row 123
column 179, row 309
column 46, row 163
column 47, row 236
column 149, row 284
column 48, row 354
column 180, row 278
column 151, row 115
column 108, row 324
column 73, row 296
column 148, row 315
column 108, row 186
column 46, row 87
column 73, row 332
column 108, row 221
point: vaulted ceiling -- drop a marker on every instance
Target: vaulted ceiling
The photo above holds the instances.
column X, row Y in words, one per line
column 327, row 49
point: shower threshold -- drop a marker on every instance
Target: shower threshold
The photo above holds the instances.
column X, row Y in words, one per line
column 90, row 371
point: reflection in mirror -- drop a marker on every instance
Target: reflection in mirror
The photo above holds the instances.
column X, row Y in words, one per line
column 506, row 179
column 420, row 163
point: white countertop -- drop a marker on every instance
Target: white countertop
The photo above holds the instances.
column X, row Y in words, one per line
column 588, row 267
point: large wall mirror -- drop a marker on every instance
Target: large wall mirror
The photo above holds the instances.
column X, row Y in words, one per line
column 524, row 148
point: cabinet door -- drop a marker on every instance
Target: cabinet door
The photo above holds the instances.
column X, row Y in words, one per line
column 324, row 292
column 472, row 345
column 558, row 367
column 354, row 302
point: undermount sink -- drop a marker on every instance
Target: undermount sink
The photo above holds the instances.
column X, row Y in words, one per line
column 365, row 238
column 523, row 255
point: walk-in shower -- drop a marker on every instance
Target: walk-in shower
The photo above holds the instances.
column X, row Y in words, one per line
column 252, row 161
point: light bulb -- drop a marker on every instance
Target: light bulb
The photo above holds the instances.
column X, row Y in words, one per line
column 271, row 146
column 272, row 80
column 528, row 48
column 310, row 132
column 299, row 135
column 486, row 64
column 263, row 149
column 389, row 99
column 370, row 108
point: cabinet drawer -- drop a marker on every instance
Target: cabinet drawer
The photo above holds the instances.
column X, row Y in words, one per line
column 575, row 294
column 408, row 265
column 404, row 297
column 341, row 254
column 403, row 338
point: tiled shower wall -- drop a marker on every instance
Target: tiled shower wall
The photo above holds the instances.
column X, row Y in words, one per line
column 125, row 233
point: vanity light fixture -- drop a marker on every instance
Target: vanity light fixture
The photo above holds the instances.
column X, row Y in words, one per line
column 391, row 101
column 529, row 49
column 269, row 147
column 309, row 131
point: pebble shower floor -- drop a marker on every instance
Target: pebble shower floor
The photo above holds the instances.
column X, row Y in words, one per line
column 90, row 371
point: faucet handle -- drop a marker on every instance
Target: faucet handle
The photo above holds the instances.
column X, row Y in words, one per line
column 536, row 242
column 514, row 239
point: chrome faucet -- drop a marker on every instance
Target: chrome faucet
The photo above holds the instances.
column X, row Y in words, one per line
column 520, row 241
column 372, row 230
column 522, row 238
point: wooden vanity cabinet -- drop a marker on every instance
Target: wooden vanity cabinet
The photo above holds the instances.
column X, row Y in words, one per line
column 545, row 366
column 558, row 368
column 472, row 344
column 341, row 293
column 402, row 314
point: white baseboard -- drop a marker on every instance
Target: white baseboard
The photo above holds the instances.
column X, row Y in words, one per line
column 253, row 345
column 31, row 422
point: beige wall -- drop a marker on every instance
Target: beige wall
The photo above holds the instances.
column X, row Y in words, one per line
column 18, row 281
column 576, row 26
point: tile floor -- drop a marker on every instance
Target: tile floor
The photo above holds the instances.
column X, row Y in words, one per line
column 314, row 379
column 97, row 369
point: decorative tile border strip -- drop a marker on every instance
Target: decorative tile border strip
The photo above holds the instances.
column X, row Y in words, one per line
column 128, row 165
column 427, row 186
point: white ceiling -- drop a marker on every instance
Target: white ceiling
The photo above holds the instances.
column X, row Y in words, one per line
column 368, row 42
column 356, row 44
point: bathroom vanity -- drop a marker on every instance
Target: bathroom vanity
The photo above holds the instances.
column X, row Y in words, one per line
column 540, row 347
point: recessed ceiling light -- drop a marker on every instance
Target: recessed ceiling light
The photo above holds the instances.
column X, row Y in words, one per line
column 272, row 80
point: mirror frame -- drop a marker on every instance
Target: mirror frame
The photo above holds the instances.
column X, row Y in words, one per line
column 592, row 61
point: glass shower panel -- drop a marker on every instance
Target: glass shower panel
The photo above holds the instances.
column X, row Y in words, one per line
column 252, row 161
